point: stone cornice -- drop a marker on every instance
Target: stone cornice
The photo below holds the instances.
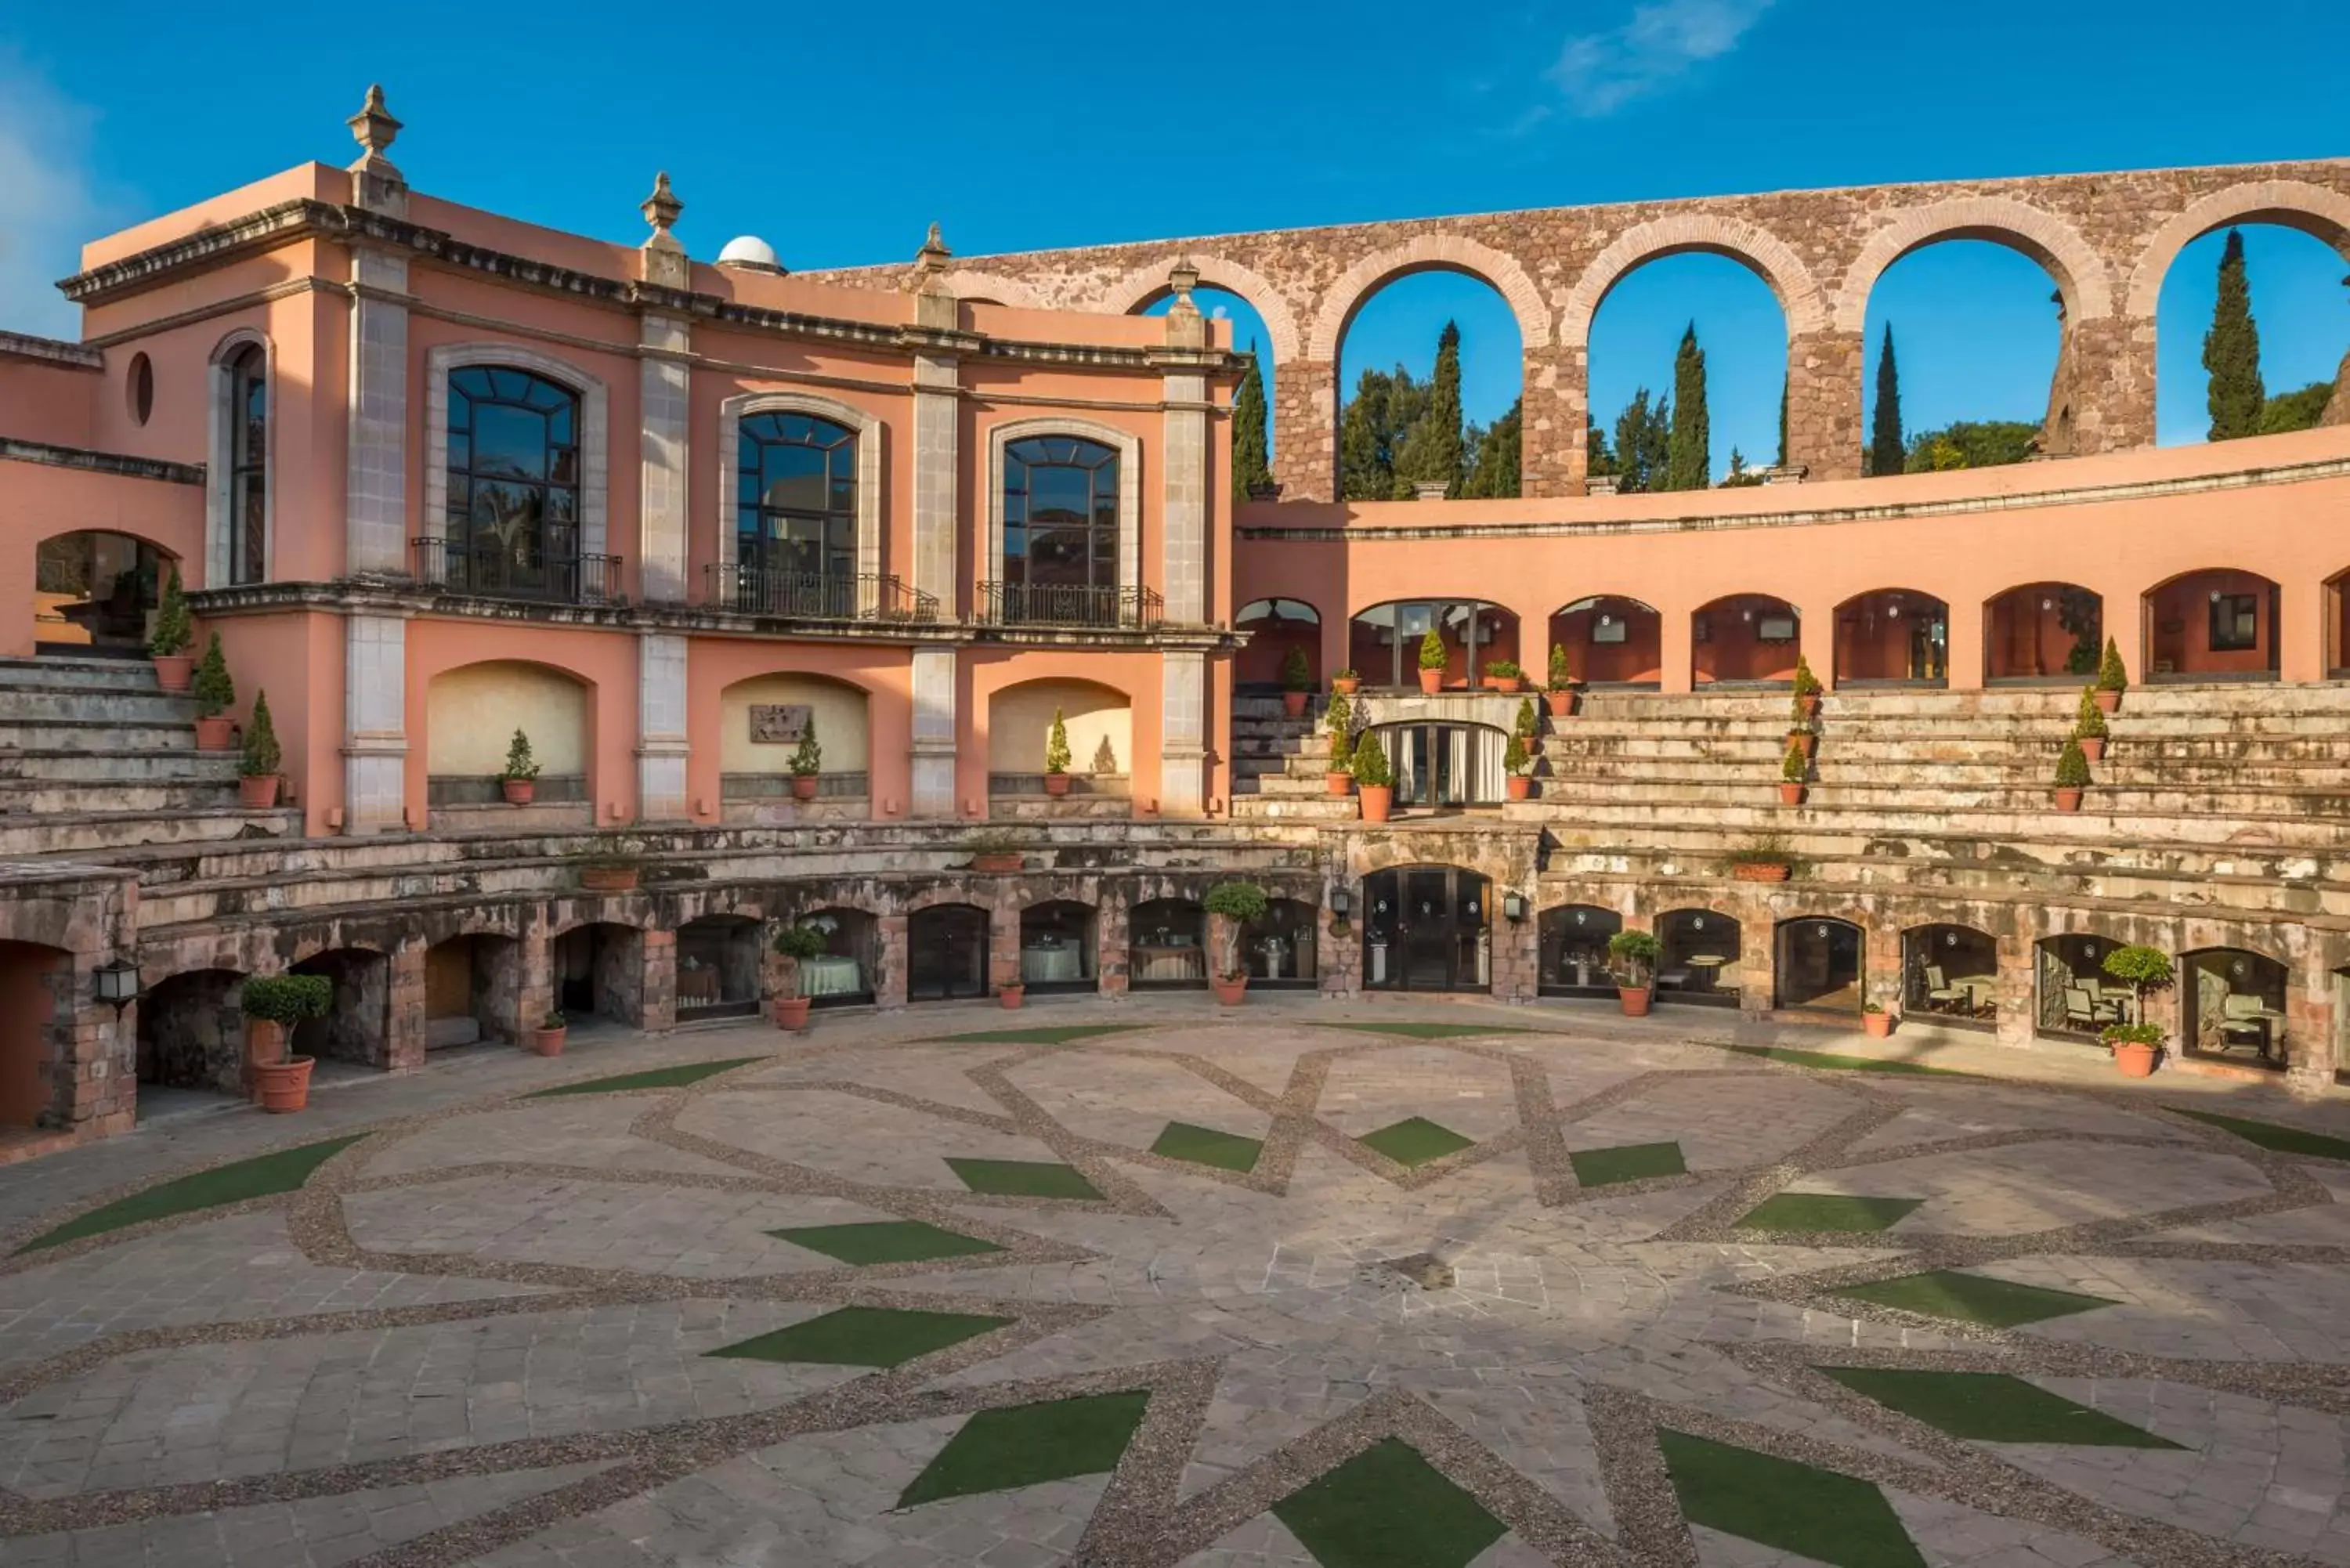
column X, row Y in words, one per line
column 118, row 464
column 50, row 352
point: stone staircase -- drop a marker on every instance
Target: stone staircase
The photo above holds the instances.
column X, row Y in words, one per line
column 1280, row 764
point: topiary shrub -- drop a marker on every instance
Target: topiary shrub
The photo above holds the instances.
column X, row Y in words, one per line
column 262, row 757
column 1528, row 722
column 174, row 631
column 1806, row 683
column 1431, row 652
column 1633, row 957
column 286, row 999
column 2089, row 724
column 214, row 692
column 521, row 766
column 2072, row 767
column 808, row 758
column 1562, row 675
column 1795, row 766
column 1297, row 675
column 1515, row 759
column 2111, row 677
column 1056, row 745
column 1370, row 769
column 798, row 941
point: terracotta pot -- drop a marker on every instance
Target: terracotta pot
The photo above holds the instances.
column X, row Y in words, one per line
column 1338, row 784
column 1293, row 703
column 608, row 878
column 1431, row 681
column 1230, row 993
column 1791, row 793
column 1056, row 785
column 546, row 1042
column 2110, row 702
column 1878, row 1025
column 264, row 1041
column 285, row 1085
column 257, row 792
column 1346, row 685
column 1377, row 800
column 1518, row 786
column 518, row 791
column 1807, row 740
column 2092, row 747
column 2068, row 800
column 804, row 786
column 791, row 1012
column 1809, row 703
column 174, row 671
column 1006, row 860
column 1747, row 872
column 1505, row 683
column 1012, row 996
column 216, row 734
column 1634, row 999
column 2136, row 1061
column 1560, row 703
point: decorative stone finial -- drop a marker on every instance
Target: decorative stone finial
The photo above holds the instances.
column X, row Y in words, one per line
column 934, row 256
column 662, row 208
column 372, row 126
column 1183, row 278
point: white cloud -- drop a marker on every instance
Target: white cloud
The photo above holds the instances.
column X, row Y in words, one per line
column 1601, row 72
column 48, row 202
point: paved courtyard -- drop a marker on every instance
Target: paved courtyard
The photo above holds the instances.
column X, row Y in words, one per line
column 1153, row 1285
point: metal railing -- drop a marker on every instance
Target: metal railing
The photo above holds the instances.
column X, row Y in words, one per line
column 749, row 590
column 548, row 569
column 1064, row 603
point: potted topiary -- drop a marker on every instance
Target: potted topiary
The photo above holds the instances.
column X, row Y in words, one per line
column 796, row 943
column 1763, row 858
column 1503, row 675
column 518, row 780
column 256, row 782
column 1808, row 689
column 2089, row 726
column 996, row 850
column 1012, row 995
column 1338, row 724
column 1346, row 682
column 1560, row 696
column 1234, row 904
column 2136, row 1044
column 1431, row 663
column 545, row 1037
column 175, row 633
column 1296, row 682
column 1056, row 756
column 1793, row 769
column 610, row 863
column 272, row 1005
column 1799, row 732
column 2111, row 679
column 1632, row 960
column 1876, row 1020
column 1517, row 769
column 214, row 692
column 1374, row 783
column 807, row 760
column 2072, row 777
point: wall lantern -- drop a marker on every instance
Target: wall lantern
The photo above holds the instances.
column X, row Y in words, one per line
column 1513, row 906
column 118, row 983
column 1339, row 902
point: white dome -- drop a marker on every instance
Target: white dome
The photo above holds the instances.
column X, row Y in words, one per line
column 749, row 250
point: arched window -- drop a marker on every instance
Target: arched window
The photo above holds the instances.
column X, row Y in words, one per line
column 1060, row 529
column 248, row 454
column 514, row 485
column 796, row 521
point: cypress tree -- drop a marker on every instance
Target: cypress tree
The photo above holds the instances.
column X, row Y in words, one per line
column 1597, row 459
column 1631, row 444
column 1431, row 444
column 1251, row 447
column 1656, row 442
column 1688, row 464
column 1496, row 470
column 1782, row 421
column 1886, row 451
column 1364, row 473
column 2231, row 351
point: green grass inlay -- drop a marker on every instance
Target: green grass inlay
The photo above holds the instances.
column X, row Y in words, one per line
column 1973, row 1298
column 1792, row 1507
column 1206, row 1145
column 1844, row 1064
column 1993, row 1407
column 1434, row 1030
column 1628, row 1162
column 864, row 1336
column 2271, row 1136
column 1024, row 1179
column 885, row 1241
column 655, row 1078
column 263, row 1176
column 997, row 1451
column 1051, row 1034
column 1415, row 1140
column 1387, row 1508
column 1826, row 1211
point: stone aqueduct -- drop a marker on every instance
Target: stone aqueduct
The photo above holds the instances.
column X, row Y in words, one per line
column 2108, row 240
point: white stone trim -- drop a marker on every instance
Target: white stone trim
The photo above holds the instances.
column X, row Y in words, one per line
column 374, row 716
column 870, row 430
column 594, row 444
column 662, row 747
column 220, row 438
column 1129, row 487
column 664, row 526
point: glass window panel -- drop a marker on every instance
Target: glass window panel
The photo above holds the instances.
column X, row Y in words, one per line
column 460, row 450
column 560, row 423
column 563, row 504
column 511, row 385
column 509, row 442
column 564, row 467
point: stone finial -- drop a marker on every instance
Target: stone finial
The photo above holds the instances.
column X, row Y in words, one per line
column 934, row 256
column 662, row 208
column 372, row 126
column 1183, row 278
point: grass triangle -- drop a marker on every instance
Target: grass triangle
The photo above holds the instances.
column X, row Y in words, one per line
column 864, row 1336
column 1387, row 1508
column 1794, row 1507
column 1973, row 1298
column 1993, row 1407
column 675, row 1078
column 263, row 1175
column 1025, row 1445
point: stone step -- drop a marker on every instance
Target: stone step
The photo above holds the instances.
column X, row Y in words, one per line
column 92, row 833
column 35, row 798
column 20, row 733
column 132, row 707
column 53, row 672
column 1838, row 766
column 102, row 769
column 1284, row 784
column 1614, row 820
column 1295, row 807
column 1913, row 794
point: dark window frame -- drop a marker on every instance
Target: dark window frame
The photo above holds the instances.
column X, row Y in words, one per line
column 538, row 539
column 2229, row 612
column 1098, row 526
column 248, row 465
column 764, row 540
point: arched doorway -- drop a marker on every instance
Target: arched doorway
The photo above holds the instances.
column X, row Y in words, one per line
column 1276, row 628
column 1745, row 640
column 946, row 953
column 95, row 593
column 2217, row 625
column 35, row 1029
column 2044, row 632
column 1057, row 947
column 849, row 972
column 1428, row 927
column 2074, row 1000
column 192, row 1032
column 1893, row 637
column 1701, row 959
column 356, row 1027
column 720, row 960
column 2233, row 1007
column 1574, row 951
column 599, row 972
column 472, row 990
column 1951, row 974
column 1610, row 641
column 1167, row 945
column 1280, row 946
column 1442, row 766
column 1383, row 642
column 1817, row 964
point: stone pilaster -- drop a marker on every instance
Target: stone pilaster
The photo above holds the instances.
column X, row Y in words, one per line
column 404, row 1031
column 656, row 1009
column 2112, row 363
column 1305, row 416
column 1183, row 734
column 1183, row 514
column 375, row 724
column 889, row 959
column 933, row 787
column 375, row 496
column 664, row 381
column 937, row 416
column 1823, row 418
column 661, row 727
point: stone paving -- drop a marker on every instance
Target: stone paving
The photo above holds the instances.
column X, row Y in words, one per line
column 1547, row 1265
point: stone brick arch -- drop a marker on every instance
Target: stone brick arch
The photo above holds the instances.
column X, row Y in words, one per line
column 1429, row 252
column 2314, row 210
column 1146, row 284
column 997, row 288
column 1757, row 249
column 2081, row 274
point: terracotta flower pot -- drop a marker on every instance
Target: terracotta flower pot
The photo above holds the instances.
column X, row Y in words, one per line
column 791, row 1012
column 285, row 1085
column 1791, row 793
column 2092, row 747
column 174, row 671
column 608, row 878
column 546, row 1042
column 2110, row 702
column 1560, row 703
column 999, row 861
column 1012, row 996
column 1805, row 739
column 216, row 734
column 1056, row 785
column 1230, row 993
column 804, row 786
column 518, row 791
column 2136, row 1061
column 264, row 1041
column 1518, row 786
column 1810, row 703
column 257, row 792
column 1346, row 685
column 1338, row 784
column 1377, row 801
column 1293, row 703
column 2068, row 800
column 1431, row 681
column 1879, row 1025
column 1634, row 999
column 1745, row 871
column 1505, row 683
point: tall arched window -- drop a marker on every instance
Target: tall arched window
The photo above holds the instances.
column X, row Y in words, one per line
column 248, row 455
column 1060, row 529
column 513, row 486
column 795, row 517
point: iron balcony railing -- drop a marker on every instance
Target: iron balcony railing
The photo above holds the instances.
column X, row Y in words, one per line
column 749, row 590
column 546, row 570
column 1063, row 604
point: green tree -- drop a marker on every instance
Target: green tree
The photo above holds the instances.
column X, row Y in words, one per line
column 1252, row 449
column 1598, row 457
column 1885, row 448
column 2231, row 351
column 1366, row 471
column 1431, row 445
column 1782, row 422
column 1688, row 464
column 1969, row 443
column 1643, row 443
column 1500, row 450
column 1739, row 476
column 2296, row 411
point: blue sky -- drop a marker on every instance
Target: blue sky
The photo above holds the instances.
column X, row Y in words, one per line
column 839, row 132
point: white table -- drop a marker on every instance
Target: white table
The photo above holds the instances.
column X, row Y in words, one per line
column 1173, row 962
column 1042, row 966
column 830, row 975
column 1706, row 965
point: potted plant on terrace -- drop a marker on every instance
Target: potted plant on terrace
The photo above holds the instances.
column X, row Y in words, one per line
column 2112, row 681
column 1876, row 1022
column 807, row 761
column 1234, row 904
column 1346, row 682
column 256, row 782
column 1431, row 663
column 2137, row 1045
column 1517, row 768
column 2072, row 777
column 1374, row 783
column 796, row 943
column 1763, row 858
column 1799, row 732
column 1056, row 757
column 610, row 863
column 1338, row 724
column 1808, row 689
column 1632, row 960
column 545, row 1037
column 1012, row 995
column 1793, row 769
column 1503, row 675
column 272, row 1005
column 214, row 692
column 996, row 850
column 1296, row 682
column 518, row 780
column 1560, row 694
column 175, row 633
column 2089, row 727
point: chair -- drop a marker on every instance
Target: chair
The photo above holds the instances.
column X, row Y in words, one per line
column 2243, row 1021
column 2081, row 1009
column 1939, row 989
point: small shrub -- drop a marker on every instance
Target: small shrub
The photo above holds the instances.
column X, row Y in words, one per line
column 214, row 692
column 286, row 999
column 1515, row 759
column 1431, row 652
column 1529, row 723
column 174, row 631
column 808, row 760
column 1504, row 670
column 1238, row 903
column 1767, row 849
column 1633, row 957
column 1370, row 769
column 1056, row 745
column 2111, row 677
column 2131, row 1034
column 1873, row 1010
column 796, row 941
column 521, row 766
column 1795, row 766
column 2142, row 968
column 2072, row 767
column 1346, row 674
column 992, row 841
column 1806, row 683
column 1562, row 674
column 553, row 1021
column 1297, row 675
column 262, row 757
column 2089, row 724
column 1798, row 716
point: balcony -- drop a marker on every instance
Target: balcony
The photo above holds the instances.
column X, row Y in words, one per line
column 813, row 596
column 548, row 568
column 1069, row 604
